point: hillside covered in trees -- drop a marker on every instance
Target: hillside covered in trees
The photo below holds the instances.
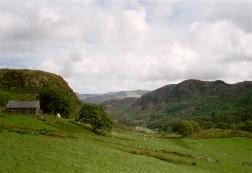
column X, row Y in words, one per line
column 210, row 103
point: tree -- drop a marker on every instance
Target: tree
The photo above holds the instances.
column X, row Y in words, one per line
column 53, row 100
column 247, row 126
column 96, row 116
column 186, row 127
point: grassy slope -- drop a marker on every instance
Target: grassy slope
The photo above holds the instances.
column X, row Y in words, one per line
column 57, row 145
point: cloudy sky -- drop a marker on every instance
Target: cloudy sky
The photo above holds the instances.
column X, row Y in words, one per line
column 111, row 45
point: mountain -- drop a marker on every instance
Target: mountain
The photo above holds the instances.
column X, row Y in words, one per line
column 100, row 98
column 208, row 102
column 23, row 84
column 191, row 88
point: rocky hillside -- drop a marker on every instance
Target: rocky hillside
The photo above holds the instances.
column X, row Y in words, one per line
column 100, row 98
column 23, row 84
column 30, row 79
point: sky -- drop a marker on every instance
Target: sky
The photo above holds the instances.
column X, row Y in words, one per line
column 112, row 45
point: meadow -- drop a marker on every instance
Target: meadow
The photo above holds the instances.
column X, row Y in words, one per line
column 63, row 145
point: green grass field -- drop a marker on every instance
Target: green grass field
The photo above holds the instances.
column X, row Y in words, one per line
column 61, row 145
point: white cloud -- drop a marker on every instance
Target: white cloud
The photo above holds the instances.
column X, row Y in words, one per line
column 103, row 46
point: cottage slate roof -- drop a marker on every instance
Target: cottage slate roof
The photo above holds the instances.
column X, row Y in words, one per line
column 22, row 104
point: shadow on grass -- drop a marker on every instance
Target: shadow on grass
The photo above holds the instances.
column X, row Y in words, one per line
column 89, row 127
column 164, row 155
column 180, row 142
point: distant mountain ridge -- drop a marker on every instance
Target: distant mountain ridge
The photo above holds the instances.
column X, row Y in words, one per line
column 208, row 102
column 191, row 88
column 100, row 98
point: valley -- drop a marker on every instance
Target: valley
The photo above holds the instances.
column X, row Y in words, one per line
column 209, row 103
column 191, row 127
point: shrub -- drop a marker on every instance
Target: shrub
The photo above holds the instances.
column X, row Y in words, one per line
column 186, row 127
column 96, row 116
column 224, row 126
column 3, row 100
column 247, row 126
column 206, row 124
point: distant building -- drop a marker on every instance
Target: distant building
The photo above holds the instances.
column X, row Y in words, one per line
column 30, row 107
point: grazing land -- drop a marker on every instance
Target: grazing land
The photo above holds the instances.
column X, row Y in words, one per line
column 63, row 145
